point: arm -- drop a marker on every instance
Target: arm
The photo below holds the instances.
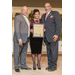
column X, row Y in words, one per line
column 31, row 26
column 17, row 27
column 57, row 26
column 17, row 30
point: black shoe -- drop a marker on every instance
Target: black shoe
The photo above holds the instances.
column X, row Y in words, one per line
column 34, row 68
column 38, row 67
column 17, row 70
column 26, row 68
column 48, row 68
column 53, row 68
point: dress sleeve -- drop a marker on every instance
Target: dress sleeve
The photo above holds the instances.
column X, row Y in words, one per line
column 41, row 21
column 31, row 24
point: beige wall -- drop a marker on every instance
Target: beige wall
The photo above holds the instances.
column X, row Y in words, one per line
column 41, row 9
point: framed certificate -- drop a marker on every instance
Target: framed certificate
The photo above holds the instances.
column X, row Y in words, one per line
column 38, row 30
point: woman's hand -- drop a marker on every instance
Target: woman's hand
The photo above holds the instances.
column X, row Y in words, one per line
column 31, row 30
column 44, row 30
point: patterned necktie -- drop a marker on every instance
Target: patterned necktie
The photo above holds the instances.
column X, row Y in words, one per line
column 46, row 15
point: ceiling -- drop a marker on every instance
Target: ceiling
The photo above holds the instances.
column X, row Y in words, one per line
column 37, row 3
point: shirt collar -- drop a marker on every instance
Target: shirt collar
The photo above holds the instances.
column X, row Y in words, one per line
column 23, row 15
column 49, row 12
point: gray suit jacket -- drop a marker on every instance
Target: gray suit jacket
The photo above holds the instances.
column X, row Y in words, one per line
column 21, row 29
column 52, row 25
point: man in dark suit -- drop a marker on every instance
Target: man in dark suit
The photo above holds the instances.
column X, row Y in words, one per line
column 52, row 24
column 21, row 35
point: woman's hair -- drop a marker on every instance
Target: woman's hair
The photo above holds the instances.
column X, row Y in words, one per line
column 35, row 10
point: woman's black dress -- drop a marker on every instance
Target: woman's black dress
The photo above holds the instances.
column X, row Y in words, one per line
column 35, row 43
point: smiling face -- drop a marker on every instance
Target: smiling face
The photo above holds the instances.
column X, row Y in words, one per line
column 24, row 10
column 36, row 15
column 47, row 7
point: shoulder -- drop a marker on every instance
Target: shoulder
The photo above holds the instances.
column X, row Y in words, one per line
column 18, row 17
column 40, row 21
column 32, row 20
column 55, row 12
column 44, row 14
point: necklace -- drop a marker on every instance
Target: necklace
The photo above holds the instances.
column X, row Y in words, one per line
column 35, row 21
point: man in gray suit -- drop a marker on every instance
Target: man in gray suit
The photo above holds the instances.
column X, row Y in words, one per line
column 21, row 35
column 52, row 22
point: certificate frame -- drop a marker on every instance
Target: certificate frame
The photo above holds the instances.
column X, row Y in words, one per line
column 40, row 32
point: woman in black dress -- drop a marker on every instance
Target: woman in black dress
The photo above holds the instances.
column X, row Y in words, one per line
column 35, row 43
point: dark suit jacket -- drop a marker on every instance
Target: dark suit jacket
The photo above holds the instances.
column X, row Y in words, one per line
column 21, row 29
column 52, row 25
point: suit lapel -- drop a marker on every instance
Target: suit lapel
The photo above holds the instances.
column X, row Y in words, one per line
column 44, row 17
column 23, row 19
column 48, row 16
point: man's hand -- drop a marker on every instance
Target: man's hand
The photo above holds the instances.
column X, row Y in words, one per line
column 31, row 30
column 55, row 37
column 20, row 42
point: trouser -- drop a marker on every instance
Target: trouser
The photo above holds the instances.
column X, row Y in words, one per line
column 52, row 53
column 20, row 51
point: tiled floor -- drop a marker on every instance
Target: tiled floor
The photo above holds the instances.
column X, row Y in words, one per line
column 43, row 66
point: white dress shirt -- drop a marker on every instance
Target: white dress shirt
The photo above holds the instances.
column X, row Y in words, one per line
column 28, row 23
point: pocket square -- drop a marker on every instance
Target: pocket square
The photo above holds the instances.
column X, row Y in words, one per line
column 51, row 16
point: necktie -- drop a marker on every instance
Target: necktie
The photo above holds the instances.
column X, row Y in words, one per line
column 46, row 15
